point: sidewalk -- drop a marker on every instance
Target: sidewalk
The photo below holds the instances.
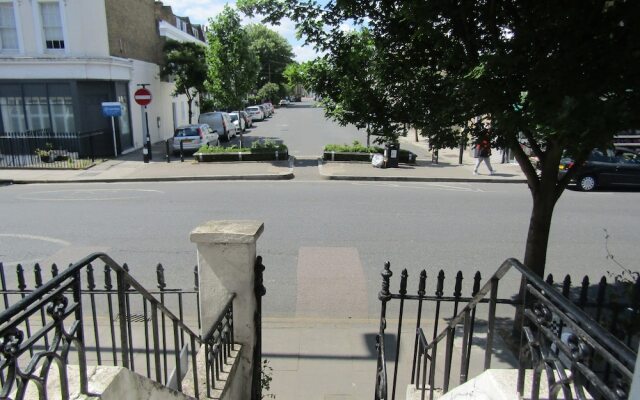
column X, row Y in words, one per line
column 131, row 168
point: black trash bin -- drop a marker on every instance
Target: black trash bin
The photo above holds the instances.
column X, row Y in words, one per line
column 391, row 155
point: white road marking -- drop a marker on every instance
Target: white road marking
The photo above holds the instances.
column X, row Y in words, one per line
column 423, row 185
column 86, row 194
column 34, row 237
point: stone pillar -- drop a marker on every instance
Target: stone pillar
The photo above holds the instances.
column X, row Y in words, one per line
column 226, row 259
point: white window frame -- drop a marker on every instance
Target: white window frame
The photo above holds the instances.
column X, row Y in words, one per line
column 18, row 30
column 37, row 16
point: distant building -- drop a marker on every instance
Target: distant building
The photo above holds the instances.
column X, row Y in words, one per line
column 60, row 59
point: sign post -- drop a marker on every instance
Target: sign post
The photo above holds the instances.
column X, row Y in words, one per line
column 142, row 96
column 112, row 109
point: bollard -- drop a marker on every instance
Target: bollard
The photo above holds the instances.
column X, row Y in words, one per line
column 149, row 145
column 145, row 154
column 166, row 146
column 181, row 152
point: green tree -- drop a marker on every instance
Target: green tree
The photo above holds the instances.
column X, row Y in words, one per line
column 185, row 63
column 551, row 76
column 274, row 52
column 232, row 65
column 269, row 92
column 296, row 75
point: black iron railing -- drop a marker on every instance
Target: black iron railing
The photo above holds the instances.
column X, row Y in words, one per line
column 48, row 325
column 557, row 334
column 98, row 295
column 47, row 149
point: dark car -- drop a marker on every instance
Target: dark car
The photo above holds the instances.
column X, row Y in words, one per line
column 609, row 167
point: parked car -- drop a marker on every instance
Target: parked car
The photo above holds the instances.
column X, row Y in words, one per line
column 220, row 122
column 270, row 107
column 238, row 121
column 256, row 113
column 284, row 103
column 247, row 119
column 193, row 137
column 265, row 110
column 605, row 168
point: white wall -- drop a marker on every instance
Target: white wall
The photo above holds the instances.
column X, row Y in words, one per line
column 161, row 105
column 84, row 24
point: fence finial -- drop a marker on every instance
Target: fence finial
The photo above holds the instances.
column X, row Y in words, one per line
column 21, row 282
column 91, row 282
column 384, row 294
column 440, row 284
column 423, row 283
column 403, row 282
column 566, row 286
column 37, row 270
column 107, row 278
column 477, row 278
column 160, row 276
column 457, row 290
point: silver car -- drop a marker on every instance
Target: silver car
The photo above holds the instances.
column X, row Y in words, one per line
column 256, row 113
column 193, row 137
column 220, row 122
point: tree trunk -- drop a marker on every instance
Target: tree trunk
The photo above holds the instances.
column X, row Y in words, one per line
column 535, row 254
column 545, row 191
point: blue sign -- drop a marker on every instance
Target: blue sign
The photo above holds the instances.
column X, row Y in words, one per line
column 111, row 109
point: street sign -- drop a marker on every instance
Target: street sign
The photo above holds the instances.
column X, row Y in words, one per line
column 142, row 96
column 111, row 109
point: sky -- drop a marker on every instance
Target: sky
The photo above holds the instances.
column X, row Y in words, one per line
column 199, row 12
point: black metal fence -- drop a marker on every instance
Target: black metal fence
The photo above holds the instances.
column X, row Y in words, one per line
column 47, row 149
column 73, row 319
column 559, row 334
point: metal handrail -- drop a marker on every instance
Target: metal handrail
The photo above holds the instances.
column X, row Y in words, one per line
column 51, row 295
column 577, row 319
column 17, row 307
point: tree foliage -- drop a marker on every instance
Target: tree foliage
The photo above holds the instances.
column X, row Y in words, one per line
column 185, row 64
column 274, row 52
column 269, row 92
column 552, row 77
column 232, row 65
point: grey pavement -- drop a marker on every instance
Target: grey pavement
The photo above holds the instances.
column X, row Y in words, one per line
column 131, row 168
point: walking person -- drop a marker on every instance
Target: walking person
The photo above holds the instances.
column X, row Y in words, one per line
column 482, row 153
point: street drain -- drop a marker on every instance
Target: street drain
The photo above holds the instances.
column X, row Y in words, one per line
column 133, row 318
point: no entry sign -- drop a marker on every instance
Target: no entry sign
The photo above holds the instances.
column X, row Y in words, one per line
column 142, row 97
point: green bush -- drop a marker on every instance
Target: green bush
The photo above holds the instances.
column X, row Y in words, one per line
column 256, row 147
column 356, row 147
column 219, row 149
column 267, row 146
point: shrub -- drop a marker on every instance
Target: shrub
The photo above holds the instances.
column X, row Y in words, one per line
column 256, row 147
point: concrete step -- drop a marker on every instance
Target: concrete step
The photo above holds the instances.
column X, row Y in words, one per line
column 108, row 383
column 499, row 384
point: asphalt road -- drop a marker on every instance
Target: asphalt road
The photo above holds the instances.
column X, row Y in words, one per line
column 304, row 129
column 324, row 243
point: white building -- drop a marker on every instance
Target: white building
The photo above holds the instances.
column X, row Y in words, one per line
column 60, row 59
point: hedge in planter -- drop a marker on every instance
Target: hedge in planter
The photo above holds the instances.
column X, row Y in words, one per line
column 267, row 151
column 358, row 152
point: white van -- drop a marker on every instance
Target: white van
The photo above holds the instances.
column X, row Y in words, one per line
column 220, row 122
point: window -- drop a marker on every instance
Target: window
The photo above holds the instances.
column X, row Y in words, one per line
column 8, row 32
column 12, row 112
column 52, row 26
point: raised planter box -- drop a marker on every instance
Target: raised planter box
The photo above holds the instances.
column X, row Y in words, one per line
column 239, row 156
column 404, row 157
